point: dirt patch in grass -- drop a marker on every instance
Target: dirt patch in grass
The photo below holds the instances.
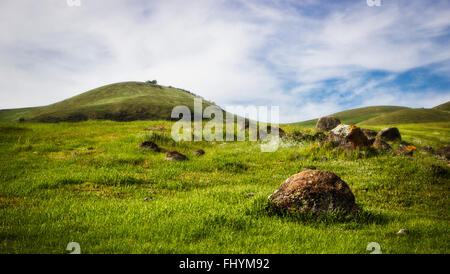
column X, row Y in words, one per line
column 11, row 202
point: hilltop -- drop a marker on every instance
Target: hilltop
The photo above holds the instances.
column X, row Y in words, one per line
column 126, row 101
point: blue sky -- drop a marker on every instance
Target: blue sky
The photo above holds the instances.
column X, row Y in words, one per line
column 310, row 58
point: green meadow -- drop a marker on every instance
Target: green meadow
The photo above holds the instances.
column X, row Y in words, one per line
column 90, row 183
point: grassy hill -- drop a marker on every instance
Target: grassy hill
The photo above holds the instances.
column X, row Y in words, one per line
column 444, row 107
column 388, row 115
column 410, row 116
column 357, row 115
column 126, row 101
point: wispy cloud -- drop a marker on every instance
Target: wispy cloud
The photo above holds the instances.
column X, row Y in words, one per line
column 309, row 57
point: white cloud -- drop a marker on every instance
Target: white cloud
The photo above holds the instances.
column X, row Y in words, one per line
column 230, row 52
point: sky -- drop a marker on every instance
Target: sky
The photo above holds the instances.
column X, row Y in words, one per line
column 311, row 58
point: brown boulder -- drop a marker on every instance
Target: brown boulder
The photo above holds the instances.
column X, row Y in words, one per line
column 175, row 156
column 327, row 123
column 370, row 134
column 381, row 145
column 314, row 191
column 444, row 152
column 389, row 134
column 348, row 135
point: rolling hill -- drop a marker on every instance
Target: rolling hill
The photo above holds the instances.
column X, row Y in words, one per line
column 444, row 107
column 357, row 115
column 409, row 116
column 386, row 115
column 127, row 101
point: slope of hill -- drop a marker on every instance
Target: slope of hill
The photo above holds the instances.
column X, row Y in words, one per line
column 444, row 107
column 357, row 115
column 410, row 116
column 125, row 101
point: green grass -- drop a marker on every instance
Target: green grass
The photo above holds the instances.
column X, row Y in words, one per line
column 86, row 182
column 128, row 101
column 409, row 116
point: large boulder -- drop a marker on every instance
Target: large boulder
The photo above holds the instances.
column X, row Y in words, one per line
column 348, row 135
column 389, row 134
column 444, row 152
column 314, row 191
column 370, row 134
column 327, row 123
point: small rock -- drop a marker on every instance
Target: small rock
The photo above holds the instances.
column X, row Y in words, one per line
column 250, row 194
column 151, row 192
column 403, row 231
column 175, row 156
column 444, row 152
column 146, row 199
column 389, row 134
column 426, row 149
column 404, row 150
column 327, row 123
column 199, row 152
column 150, row 145
column 381, row 145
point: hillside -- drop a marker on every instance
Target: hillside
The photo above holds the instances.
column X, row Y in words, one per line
column 410, row 116
column 357, row 115
column 444, row 107
column 126, row 101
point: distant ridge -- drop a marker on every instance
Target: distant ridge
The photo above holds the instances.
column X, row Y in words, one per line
column 410, row 116
column 444, row 107
column 126, row 101
column 389, row 115
column 357, row 115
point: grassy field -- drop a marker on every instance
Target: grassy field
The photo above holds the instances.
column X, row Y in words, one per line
column 88, row 182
